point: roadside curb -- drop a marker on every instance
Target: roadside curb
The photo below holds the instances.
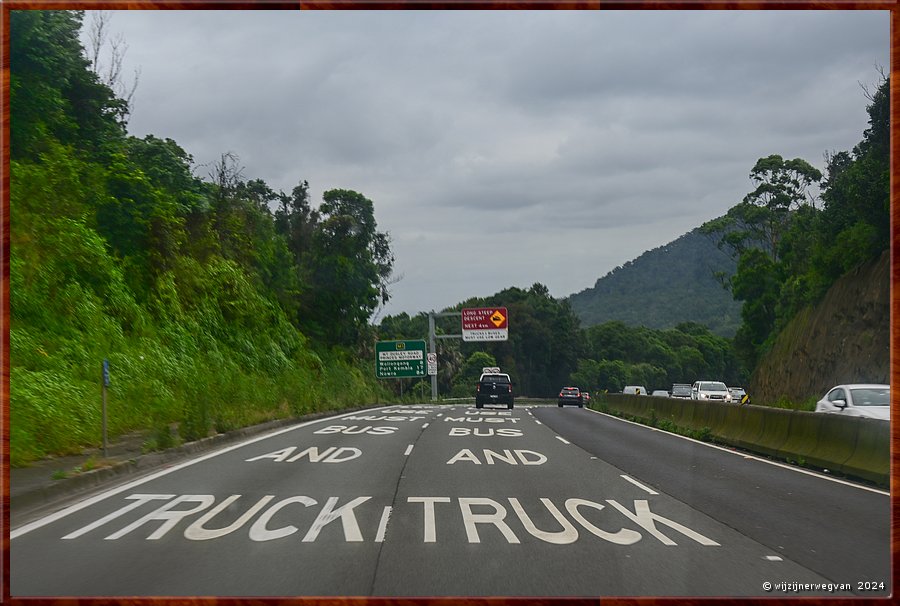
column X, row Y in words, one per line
column 61, row 490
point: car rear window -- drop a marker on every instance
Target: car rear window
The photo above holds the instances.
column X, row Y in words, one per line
column 496, row 378
column 573, row 390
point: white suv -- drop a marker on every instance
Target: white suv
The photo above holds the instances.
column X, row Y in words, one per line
column 714, row 391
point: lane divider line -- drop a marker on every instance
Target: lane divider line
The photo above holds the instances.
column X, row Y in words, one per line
column 408, row 450
column 774, row 559
column 425, row 425
column 538, row 422
column 746, row 456
column 563, row 440
column 382, row 525
column 149, row 478
column 639, row 485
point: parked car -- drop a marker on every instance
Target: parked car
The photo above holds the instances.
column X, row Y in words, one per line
column 714, row 391
column 660, row 393
column 737, row 393
column 635, row 390
column 858, row 400
column 681, row 390
column 570, row 395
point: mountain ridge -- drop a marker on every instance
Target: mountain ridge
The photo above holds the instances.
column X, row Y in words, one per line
column 665, row 286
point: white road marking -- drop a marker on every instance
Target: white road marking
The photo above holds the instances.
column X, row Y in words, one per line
column 746, row 456
column 639, row 485
column 538, row 422
column 382, row 525
column 774, row 559
column 126, row 487
column 563, row 440
column 408, row 450
column 425, row 425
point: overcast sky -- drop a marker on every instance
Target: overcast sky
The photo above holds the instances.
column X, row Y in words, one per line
column 507, row 148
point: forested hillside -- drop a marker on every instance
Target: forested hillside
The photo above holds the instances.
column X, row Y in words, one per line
column 218, row 302
column 791, row 245
column 664, row 287
column 547, row 349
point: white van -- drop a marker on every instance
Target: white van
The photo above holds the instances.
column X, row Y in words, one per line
column 635, row 390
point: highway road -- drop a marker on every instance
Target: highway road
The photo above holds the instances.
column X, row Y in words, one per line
column 453, row 501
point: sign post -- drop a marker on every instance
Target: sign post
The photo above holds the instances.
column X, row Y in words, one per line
column 399, row 359
column 103, row 389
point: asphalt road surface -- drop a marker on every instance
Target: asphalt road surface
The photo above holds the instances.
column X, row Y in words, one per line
column 453, row 501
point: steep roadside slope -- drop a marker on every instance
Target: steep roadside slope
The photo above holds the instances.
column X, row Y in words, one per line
column 843, row 339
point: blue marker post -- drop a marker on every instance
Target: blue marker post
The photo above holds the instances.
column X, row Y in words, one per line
column 105, row 385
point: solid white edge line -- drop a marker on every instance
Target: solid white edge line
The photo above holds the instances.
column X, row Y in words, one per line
column 749, row 456
column 105, row 495
column 639, row 485
column 563, row 440
column 408, row 450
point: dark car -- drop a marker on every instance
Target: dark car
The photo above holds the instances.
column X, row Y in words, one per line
column 570, row 395
column 494, row 388
column 681, row 390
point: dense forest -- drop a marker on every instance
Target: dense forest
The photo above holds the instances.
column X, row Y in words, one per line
column 548, row 349
column 673, row 284
column 218, row 302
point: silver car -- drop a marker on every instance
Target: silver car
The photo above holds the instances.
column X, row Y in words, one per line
column 858, row 400
column 714, row 391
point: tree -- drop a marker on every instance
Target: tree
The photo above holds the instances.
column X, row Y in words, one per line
column 53, row 94
column 348, row 268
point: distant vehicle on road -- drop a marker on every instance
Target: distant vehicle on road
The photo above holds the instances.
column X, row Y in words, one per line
column 714, row 391
column 635, row 390
column 585, row 397
column 660, row 393
column 570, row 395
column 858, row 400
column 494, row 388
column 737, row 393
column 681, row 390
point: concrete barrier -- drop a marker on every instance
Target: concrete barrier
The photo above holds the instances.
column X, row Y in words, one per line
column 853, row 446
column 871, row 457
column 803, row 436
column 752, row 421
column 838, row 438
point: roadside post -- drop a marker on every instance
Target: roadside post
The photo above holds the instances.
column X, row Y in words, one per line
column 103, row 390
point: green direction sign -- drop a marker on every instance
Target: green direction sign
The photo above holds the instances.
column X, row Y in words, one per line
column 399, row 359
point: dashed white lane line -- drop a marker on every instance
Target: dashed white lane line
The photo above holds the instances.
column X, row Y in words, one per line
column 774, row 559
column 538, row 422
column 425, row 425
column 639, row 485
column 408, row 450
column 563, row 440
